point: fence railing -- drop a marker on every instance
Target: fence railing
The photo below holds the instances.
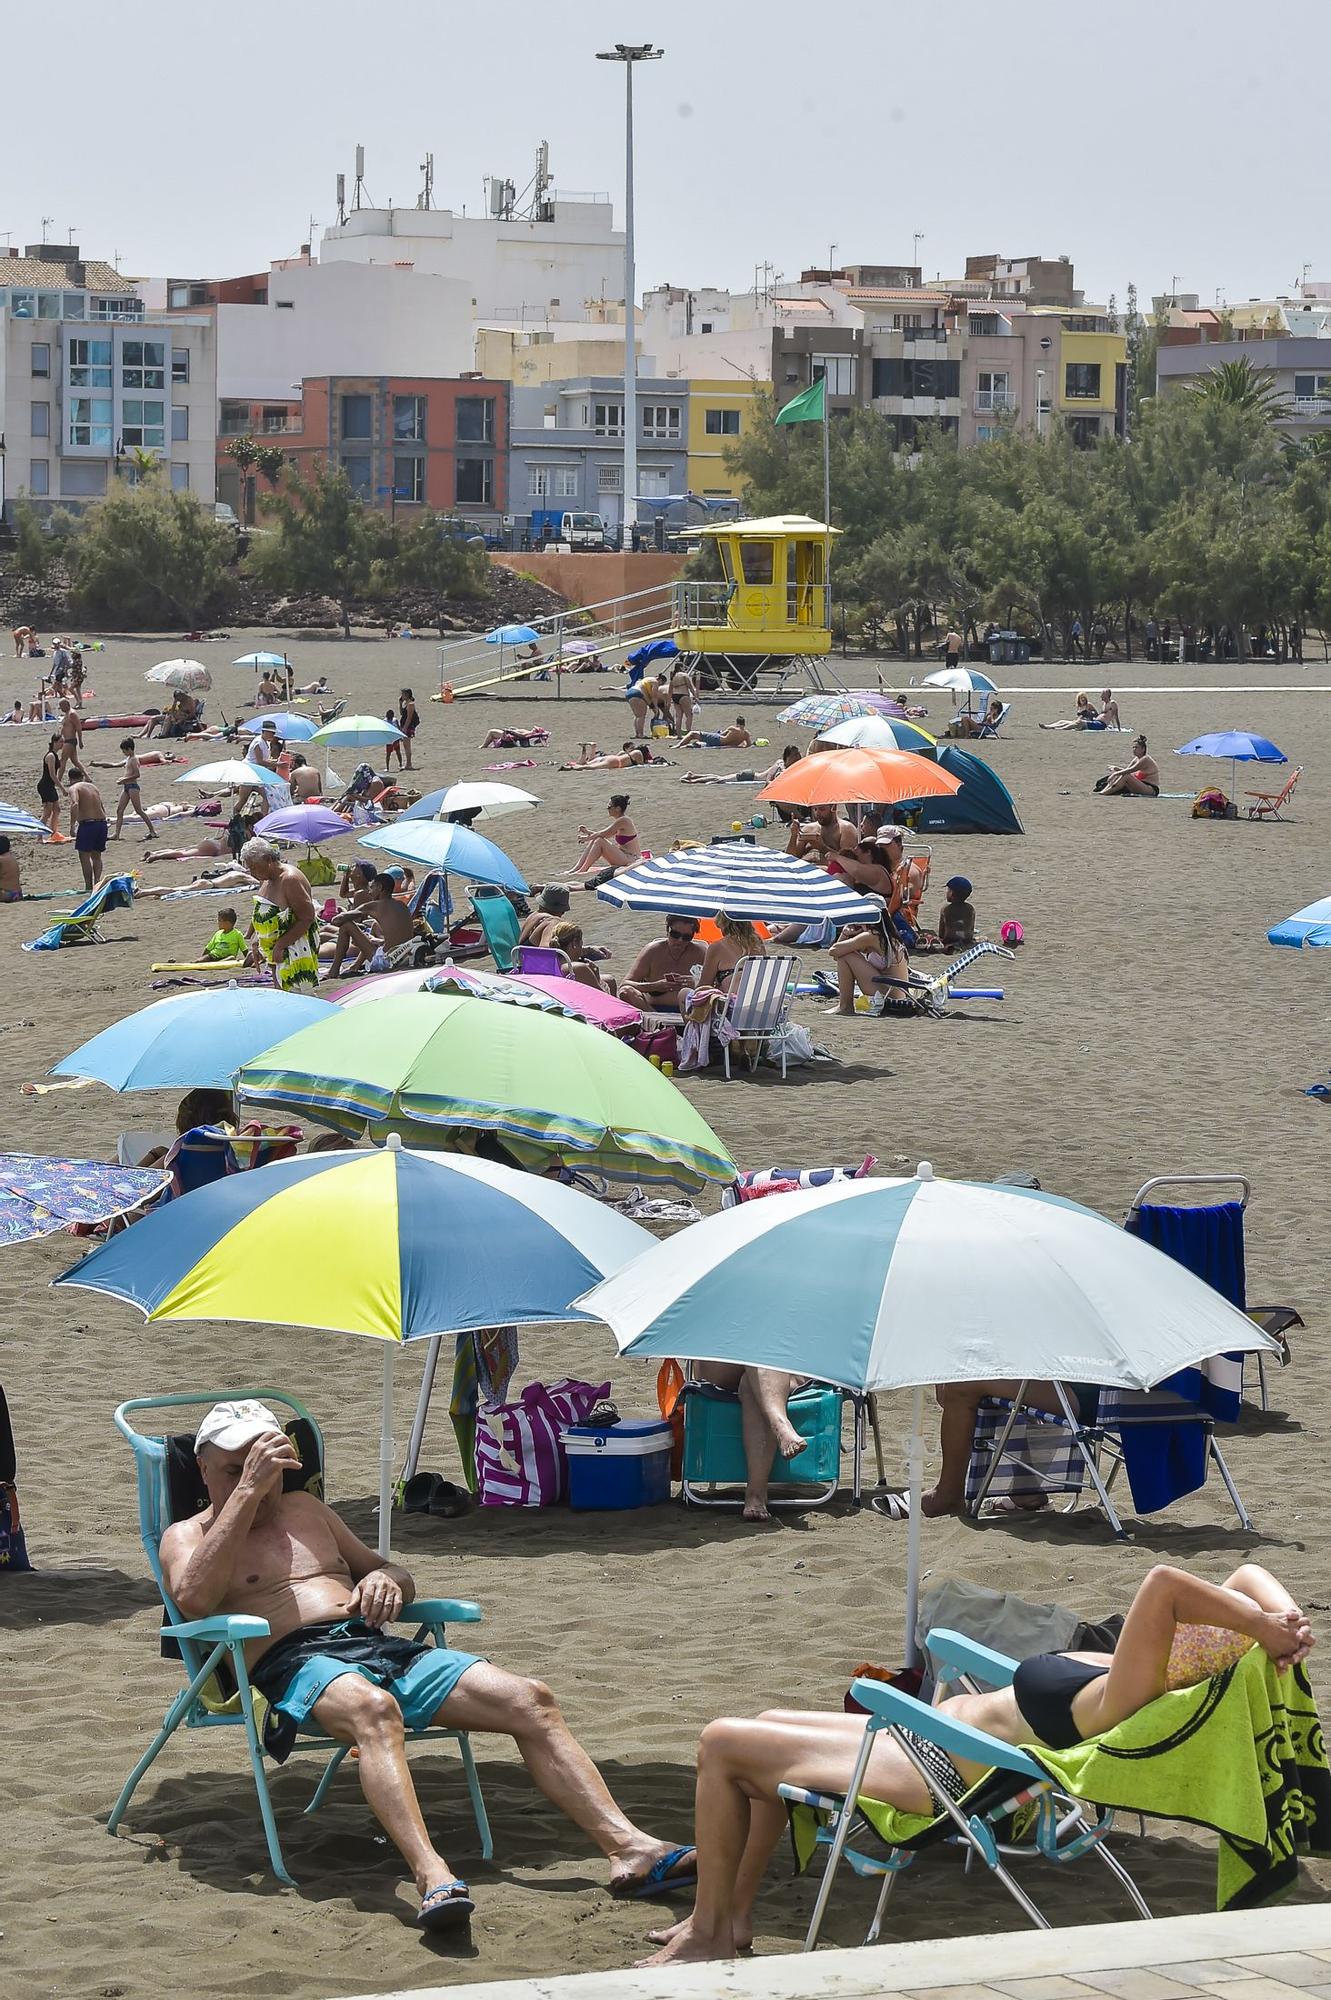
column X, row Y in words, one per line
column 613, row 627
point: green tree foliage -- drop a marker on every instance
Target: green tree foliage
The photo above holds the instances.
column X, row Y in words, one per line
column 1239, row 386
column 325, row 544
column 148, row 556
column 34, row 549
column 434, row 563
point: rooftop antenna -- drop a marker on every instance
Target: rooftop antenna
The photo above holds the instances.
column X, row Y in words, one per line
column 341, row 197
column 916, row 241
column 360, row 177
column 70, row 234
column 425, row 199
column 537, row 209
column 309, row 233
column 1303, row 276
column 47, row 220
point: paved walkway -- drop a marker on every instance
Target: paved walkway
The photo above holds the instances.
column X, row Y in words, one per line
column 1281, row 1954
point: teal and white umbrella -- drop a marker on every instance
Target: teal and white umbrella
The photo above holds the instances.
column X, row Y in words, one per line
column 358, row 732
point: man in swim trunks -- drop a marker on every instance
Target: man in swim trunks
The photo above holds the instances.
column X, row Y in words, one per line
column 87, row 823
column 661, row 971
column 70, row 729
column 1140, row 778
column 257, row 1551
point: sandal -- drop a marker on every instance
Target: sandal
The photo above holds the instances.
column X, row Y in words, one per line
column 446, row 1908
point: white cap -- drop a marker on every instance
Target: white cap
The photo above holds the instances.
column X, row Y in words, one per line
column 234, row 1426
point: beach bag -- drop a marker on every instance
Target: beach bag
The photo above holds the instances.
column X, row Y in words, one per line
column 318, row 870
column 663, row 1043
column 1212, row 803
column 520, row 1459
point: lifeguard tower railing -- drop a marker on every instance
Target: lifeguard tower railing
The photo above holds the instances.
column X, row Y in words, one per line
column 610, row 628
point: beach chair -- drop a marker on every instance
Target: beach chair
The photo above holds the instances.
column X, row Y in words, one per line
column 1062, row 1829
column 499, row 924
column 217, row 1692
column 757, row 1007
column 134, row 1144
column 991, row 728
column 81, row 924
column 543, row 960
column 1267, row 804
column 714, row 1448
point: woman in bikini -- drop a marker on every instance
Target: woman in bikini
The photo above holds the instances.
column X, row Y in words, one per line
column 699, row 1004
column 1056, row 1700
column 615, row 846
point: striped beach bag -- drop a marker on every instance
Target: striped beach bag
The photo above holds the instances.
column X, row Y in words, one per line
column 520, row 1459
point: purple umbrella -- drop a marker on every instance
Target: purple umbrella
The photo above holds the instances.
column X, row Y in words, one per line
column 308, row 823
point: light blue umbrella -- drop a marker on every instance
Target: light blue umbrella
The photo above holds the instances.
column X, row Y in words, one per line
column 234, row 771
column 513, row 635
column 355, row 732
column 13, row 819
column 261, row 660
column 193, row 1040
column 456, row 850
column 294, row 728
column 1310, row 926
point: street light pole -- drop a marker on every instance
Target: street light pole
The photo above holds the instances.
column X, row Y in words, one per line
column 628, row 53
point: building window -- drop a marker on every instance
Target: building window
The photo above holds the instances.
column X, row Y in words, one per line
column 180, row 364
column 90, row 422
column 357, row 468
column 180, row 479
column 838, row 371
column 234, row 420
column 916, row 375
column 41, row 357
column 274, row 420
column 179, row 423
column 409, row 419
column 143, row 424
column 986, row 433
column 74, row 305
column 566, row 482
column 610, row 479
column 143, row 364
column 474, row 420
column 355, row 416
column 409, row 478
column 991, row 389
column 39, row 475
column 22, row 305
column 1306, row 387
column 1084, row 432
column 1082, row 378
column 475, row 482
column 660, row 420
column 48, row 305
column 89, row 364
column 722, row 423
column 706, row 326
column 538, row 482
column 41, row 420
column 608, row 419
column 82, row 479
column 654, row 482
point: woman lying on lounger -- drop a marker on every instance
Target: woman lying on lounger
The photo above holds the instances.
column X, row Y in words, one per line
column 1057, row 1699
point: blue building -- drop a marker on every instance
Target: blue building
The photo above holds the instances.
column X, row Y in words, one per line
column 566, row 445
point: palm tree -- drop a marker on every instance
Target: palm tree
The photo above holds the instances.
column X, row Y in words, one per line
column 1239, row 386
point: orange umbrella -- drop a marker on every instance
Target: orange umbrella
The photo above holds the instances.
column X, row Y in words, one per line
column 860, row 777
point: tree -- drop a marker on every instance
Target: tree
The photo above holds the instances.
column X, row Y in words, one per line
column 327, row 543
column 434, row 562
column 1237, row 385
column 148, row 556
column 244, row 454
column 34, row 548
column 270, row 461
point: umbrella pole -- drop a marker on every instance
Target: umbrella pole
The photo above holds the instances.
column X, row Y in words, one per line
column 386, row 1451
column 915, row 1501
column 422, row 1405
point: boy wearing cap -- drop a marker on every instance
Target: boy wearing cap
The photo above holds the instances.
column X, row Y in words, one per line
column 257, row 1551
column 956, row 919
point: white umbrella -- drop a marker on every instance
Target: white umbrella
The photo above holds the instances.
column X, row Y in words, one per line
column 961, row 680
column 234, row 771
column 189, row 674
column 892, row 1284
column 478, row 795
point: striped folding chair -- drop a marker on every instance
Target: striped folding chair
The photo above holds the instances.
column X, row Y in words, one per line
column 757, row 1006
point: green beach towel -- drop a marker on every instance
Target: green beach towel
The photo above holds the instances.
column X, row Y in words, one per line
column 1241, row 1753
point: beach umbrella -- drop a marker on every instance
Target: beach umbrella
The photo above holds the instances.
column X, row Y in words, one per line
column 446, row 978
column 354, row 732
column 189, row 674
column 878, row 732
column 193, row 1040
column 482, row 796
column 512, row 635
column 393, row 1245
column 292, row 728
column 898, row 1284
column 1239, row 745
column 823, row 711
column 261, row 660
column 13, row 819
column 583, row 645
column 742, row 881
column 309, row 823
column 234, row 771
column 456, row 850
column 40, row 1196
column 960, row 680
column 574, row 996
column 861, row 777
column 1309, row 926
column 434, row 1067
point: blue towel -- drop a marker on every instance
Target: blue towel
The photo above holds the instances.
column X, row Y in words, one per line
column 115, row 893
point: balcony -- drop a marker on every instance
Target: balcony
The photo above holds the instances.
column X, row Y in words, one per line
column 1309, row 406
column 986, row 400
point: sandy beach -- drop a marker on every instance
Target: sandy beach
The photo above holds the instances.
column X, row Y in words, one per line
column 1148, row 1027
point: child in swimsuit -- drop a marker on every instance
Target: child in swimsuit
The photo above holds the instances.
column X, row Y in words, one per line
column 130, row 794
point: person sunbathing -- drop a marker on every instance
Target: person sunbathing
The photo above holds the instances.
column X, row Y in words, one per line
column 1138, row 779
column 735, row 736
column 614, row 846
column 229, row 877
column 1085, row 717
column 382, row 924
column 1109, row 716
column 1056, row 1699
column 513, row 738
column 257, row 1551
column 593, row 759
column 975, row 725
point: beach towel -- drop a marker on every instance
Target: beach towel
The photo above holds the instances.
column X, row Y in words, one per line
column 197, row 965
column 1241, row 1753
column 514, row 764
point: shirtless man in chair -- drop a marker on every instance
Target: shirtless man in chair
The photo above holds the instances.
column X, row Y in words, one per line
column 259, row 1552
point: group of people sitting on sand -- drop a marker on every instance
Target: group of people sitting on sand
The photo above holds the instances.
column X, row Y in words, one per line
column 1087, row 716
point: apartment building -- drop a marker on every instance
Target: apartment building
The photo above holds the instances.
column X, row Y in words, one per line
column 1298, row 367
column 408, row 441
column 568, row 444
column 89, row 378
column 720, row 414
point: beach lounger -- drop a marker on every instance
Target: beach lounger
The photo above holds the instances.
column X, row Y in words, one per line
column 714, row 1448
column 499, row 924
column 80, row 925
column 1267, row 804
column 217, row 1692
column 757, row 1007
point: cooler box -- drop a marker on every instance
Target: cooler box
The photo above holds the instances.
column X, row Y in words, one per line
column 625, row 1466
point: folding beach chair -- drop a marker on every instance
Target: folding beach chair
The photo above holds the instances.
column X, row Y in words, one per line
column 991, row 728
column 1061, row 1828
column 81, row 924
column 1267, row 804
column 543, row 960
column 714, row 1447
column 217, row 1692
column 757, row 1007
column 499, row 924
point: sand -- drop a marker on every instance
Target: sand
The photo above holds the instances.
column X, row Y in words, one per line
column 1148, row 1026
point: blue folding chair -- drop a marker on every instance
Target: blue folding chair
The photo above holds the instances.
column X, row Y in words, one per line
column 213, row 1649
column 1060, row 1829
column 499, row 924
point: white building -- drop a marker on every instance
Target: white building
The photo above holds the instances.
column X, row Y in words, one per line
column 87, row 378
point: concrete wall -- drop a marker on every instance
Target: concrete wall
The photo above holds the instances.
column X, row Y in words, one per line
column 343, row 319
column 592, row 579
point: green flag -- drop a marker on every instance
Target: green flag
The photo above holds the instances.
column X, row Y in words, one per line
column 809, row 408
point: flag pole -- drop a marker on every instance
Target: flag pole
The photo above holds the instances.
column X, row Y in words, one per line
column 827, row 460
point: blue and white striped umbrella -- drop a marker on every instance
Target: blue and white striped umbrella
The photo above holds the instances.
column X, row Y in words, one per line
column 13, row 819
column 755, row 883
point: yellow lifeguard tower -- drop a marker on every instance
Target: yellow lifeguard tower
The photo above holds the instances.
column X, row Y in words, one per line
column 772, row 607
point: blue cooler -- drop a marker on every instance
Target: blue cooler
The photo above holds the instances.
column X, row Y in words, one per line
column 625, row 1466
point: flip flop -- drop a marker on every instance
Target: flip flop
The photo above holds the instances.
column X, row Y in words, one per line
column 419, row 1491
column 892, row 1506
column 448, row 1500
column 446, row 1908
column 658, row 1879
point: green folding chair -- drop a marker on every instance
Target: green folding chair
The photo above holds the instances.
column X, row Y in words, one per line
column 217, row 1692
column 499, row 923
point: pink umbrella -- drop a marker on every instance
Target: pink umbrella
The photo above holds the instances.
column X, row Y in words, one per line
column 603, row 1010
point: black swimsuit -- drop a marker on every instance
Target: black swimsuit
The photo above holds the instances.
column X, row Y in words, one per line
column 1044, row 1687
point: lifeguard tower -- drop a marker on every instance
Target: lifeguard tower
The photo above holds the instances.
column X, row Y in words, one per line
column 772, row 608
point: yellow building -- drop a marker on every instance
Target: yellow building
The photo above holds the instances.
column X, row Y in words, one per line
column 1091, row 367
column 720, row 414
